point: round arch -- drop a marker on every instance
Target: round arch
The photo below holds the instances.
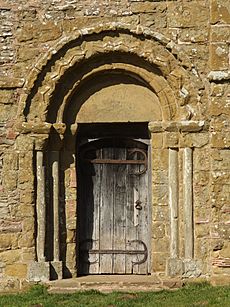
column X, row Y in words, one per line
column 62, row 70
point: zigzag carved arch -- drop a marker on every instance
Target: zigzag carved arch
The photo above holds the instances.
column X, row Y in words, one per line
column 157, row 66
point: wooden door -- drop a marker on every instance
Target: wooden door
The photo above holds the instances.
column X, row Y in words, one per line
column 114, row 211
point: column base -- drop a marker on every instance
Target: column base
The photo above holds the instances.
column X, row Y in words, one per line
column 56, row 270
column 187, row 268
column 174, row 267
column 39, row 271
column 69, row 269
column 192, row 268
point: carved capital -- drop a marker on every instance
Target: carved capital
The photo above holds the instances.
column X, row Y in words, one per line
column 41, row 141
column 34, row 128
column 60, row 128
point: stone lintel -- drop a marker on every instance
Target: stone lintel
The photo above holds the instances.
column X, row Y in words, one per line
column 177, row 126
column 39, row 271
column 56, row 270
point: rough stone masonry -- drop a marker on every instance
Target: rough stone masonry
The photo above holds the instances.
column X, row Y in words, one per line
column 161, row 63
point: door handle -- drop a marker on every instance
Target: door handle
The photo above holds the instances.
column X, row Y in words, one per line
column 138, row 205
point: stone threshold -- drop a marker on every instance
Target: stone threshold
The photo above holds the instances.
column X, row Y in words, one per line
column 109, row 283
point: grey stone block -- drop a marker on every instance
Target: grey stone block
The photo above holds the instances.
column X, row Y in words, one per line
column 174, row 267
column 192, row 268
column 39, row 271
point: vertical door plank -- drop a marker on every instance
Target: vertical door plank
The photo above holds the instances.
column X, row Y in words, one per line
column 143, row 228
column 119, row 220
column 139, row 185
column 106, row 213
column 137, row 214
column 131, row 229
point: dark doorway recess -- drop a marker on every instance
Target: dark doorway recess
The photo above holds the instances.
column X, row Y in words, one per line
column 100, row 130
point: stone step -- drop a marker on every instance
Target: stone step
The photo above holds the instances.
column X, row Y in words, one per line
column 109, row 283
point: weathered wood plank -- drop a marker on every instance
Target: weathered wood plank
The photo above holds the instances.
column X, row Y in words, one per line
column 119, row 208
column 106, row 213
column 131, row 229
column 143, row 229
column 137, row 223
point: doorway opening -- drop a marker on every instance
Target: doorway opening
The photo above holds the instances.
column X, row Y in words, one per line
column 113, row 196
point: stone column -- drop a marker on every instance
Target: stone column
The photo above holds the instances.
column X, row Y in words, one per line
column 40, row 207
column 56, row 264
column 188, row 203
column 55, row 177
column 40, row 270
column 55, row 146
column 173, row 201
column 174, row 263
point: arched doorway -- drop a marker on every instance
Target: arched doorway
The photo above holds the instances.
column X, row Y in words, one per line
column 114, row 202
column 115, row 84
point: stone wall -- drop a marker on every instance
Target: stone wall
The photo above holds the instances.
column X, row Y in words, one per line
column 195, row 62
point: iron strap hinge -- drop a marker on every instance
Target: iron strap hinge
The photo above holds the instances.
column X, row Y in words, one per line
column 143, row 252
column 131, row 152
column 114, row 251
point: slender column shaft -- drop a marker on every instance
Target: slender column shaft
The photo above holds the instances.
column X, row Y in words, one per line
column 40, row 207
column 173, row 201
column 55, row 176
column 188, row 204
